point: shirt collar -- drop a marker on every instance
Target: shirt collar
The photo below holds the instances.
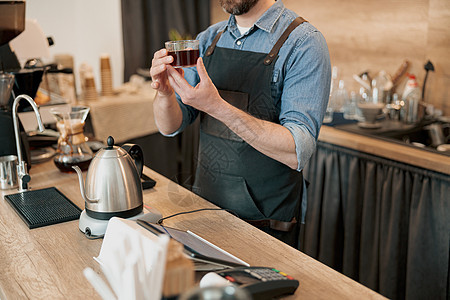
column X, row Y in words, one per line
column 271, row 16
column 266, row 21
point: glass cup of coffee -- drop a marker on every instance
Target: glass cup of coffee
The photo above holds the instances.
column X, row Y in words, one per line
column 185, row 53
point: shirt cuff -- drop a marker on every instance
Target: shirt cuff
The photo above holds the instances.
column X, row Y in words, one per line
column 305, row 143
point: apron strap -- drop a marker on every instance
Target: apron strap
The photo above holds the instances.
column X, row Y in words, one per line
column 274, row 52
column 211, row 47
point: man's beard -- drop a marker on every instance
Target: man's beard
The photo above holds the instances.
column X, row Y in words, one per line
column 237, row 7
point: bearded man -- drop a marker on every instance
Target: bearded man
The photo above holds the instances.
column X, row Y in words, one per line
column 260, row 89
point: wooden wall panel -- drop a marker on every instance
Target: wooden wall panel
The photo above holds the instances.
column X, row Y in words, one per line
column 379, row 35
column 438, row 50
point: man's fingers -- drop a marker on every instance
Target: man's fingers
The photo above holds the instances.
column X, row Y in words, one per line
column 159, row 62
column 178, row 78
column 160, row 53
column 157, row 70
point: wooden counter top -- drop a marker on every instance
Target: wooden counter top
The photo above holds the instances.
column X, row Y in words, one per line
column 47, row 262
column 393, row 151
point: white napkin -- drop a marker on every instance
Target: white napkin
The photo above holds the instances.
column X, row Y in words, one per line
column 132, row 260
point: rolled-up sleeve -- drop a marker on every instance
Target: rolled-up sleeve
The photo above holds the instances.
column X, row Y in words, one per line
column 306, row 89
column 305, row 143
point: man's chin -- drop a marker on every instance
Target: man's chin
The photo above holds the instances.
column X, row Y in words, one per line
column 237, row 8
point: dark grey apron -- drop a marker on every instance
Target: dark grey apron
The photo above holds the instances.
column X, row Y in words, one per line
column 231, row 173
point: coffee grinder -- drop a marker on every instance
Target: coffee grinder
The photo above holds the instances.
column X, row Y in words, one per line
column 12, row 23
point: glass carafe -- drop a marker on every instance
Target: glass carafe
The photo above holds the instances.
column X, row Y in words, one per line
column 72, row 147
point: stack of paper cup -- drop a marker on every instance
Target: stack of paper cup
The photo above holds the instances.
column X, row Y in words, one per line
column 90, row 91
column 106, row 76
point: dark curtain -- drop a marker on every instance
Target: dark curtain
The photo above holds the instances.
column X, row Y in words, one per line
column 146, row 25
column 380, row 222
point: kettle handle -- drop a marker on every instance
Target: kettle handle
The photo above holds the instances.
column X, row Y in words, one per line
column 136, row 153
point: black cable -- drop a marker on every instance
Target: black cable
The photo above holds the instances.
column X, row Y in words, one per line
column 160, row 221
column 95, row 237
column 89, row 235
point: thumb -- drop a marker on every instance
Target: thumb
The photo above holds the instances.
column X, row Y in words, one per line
column 202, row 70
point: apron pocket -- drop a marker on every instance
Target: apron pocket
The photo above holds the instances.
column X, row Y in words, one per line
column 230, row 192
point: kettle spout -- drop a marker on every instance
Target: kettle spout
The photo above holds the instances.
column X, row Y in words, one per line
column 82, row 190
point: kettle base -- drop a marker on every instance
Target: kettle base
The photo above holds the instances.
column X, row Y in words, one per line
column 95, row 228
column 125, row 214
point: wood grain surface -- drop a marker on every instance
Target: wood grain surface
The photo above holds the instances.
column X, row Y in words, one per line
column 47, row 262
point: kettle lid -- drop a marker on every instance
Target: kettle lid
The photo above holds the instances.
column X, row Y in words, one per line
column 111, row 151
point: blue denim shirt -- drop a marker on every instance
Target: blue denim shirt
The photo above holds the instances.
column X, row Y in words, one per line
column 301, row 77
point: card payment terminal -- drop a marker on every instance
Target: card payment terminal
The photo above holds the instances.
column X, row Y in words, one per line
column 261, row 282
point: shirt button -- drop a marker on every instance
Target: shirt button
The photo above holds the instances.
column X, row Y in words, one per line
column 238, row 43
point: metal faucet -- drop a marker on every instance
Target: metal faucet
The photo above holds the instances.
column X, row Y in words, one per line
column 22, row 172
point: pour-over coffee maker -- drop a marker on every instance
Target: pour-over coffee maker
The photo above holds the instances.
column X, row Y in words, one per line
column 72, row 147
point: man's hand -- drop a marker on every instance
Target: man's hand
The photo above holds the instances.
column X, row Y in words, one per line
column 204, row 96
column 158, row 72
column 167, row 112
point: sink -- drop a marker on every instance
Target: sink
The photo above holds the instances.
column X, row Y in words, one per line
column 413, row 135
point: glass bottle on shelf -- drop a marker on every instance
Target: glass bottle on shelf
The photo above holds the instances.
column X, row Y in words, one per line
column 381, row 86
column 350, row 108
column 411, row 97
column 339, row 97
column 328, row 118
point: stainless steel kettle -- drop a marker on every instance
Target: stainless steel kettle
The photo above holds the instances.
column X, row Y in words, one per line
column 113, row 185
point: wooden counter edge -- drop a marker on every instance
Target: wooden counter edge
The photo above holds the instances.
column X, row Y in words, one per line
column 405, row 154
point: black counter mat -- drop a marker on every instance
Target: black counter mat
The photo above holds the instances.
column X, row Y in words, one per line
column 43, row 207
